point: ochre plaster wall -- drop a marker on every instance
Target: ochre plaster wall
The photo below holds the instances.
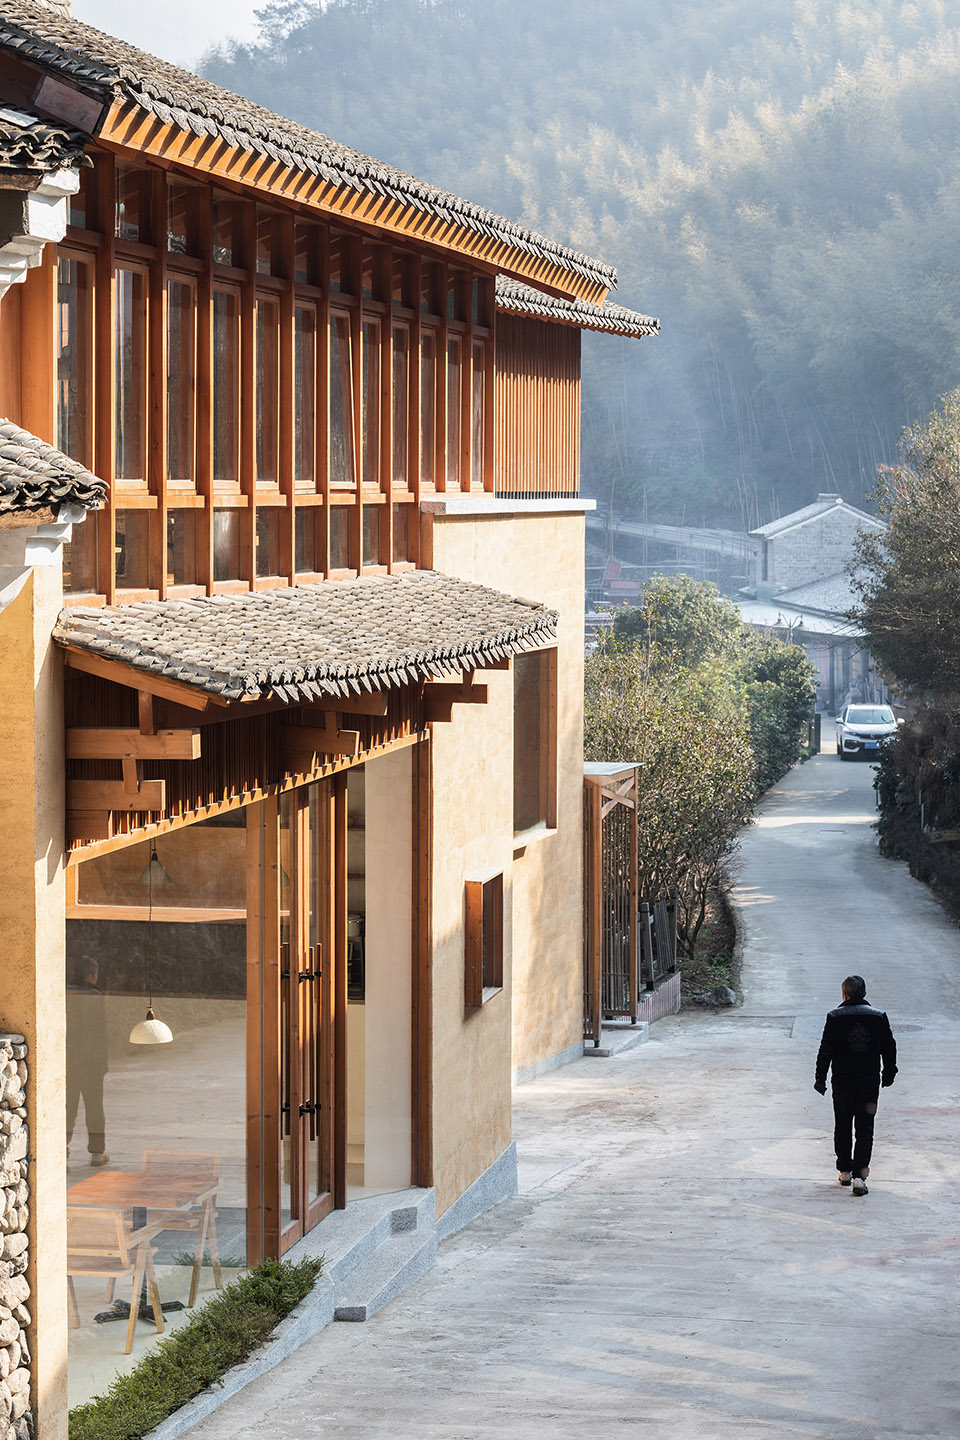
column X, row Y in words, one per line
column 32, row 972
column 539, row 1012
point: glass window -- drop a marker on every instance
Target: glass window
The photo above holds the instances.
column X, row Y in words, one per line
column 182, row 548
column 476, row 416
column 269, row 245
column 80, row 557
column 165, row 1114
column 131, row 374
column 182, row 219
column 340, row 548
column 226, row 386
column 341, row 402
column 132, row 549
column 370, row 402
column 306, row 556
column 306, row 268
column 534, row 740
column 371, row 535
column 401, row 393
column 304, row 394
column 181, row 380
column 133, row 204
column 74, row 351
column 401, row 533
column 226, row 233
column 429, row 290
column 226, row 544
column 268, row 365
column 336, row 263
column 81, row 207
column 453, row 412
column 268, row 540
column 428, row 405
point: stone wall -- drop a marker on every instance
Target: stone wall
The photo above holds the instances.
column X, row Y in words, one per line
column 16, row 1417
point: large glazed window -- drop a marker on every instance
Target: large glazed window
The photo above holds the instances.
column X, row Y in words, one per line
column 75, row 406
column 535, row 741
column 181, row 381
column 268, row 390
column 156, row 1133
column 342, row 471
column 370, row 419
column 226, row 387
column 131, row 375
column 304, row 395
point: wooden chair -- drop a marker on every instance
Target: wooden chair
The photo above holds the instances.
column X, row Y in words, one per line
column 201, row 1215
column 101, row 1243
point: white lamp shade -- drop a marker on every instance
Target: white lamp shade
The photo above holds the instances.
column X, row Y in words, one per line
column 151, row 1032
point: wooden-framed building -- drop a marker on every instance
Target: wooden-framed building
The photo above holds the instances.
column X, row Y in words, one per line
column 287, row 760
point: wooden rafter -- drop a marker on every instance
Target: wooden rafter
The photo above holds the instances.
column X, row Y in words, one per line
column 141, row 680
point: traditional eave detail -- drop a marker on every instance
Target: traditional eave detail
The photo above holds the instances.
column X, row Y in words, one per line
column 36, row 478
column 33, row 147
column 33, row 199
column 162, row 110
column 515, row 298
column 341, row 638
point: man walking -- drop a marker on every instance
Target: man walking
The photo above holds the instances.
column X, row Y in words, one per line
column 856, row 1039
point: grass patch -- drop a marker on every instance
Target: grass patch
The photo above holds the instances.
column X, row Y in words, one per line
column 198, row 1354
column 714, row 963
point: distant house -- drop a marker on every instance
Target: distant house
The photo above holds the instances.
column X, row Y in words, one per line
column 802, row 589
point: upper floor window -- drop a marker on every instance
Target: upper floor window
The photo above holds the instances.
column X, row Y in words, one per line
column 130, row 335
column 535, row 740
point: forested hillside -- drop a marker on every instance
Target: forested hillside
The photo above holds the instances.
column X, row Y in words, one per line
column 779, row 182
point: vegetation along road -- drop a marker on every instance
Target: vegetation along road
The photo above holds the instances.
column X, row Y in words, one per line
column 681, row 1262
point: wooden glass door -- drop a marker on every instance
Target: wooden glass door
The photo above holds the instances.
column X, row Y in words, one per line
column 308, row 951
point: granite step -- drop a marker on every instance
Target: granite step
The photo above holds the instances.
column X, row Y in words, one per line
column 396, row 1263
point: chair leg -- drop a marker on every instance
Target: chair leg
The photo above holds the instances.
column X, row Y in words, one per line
column 214, row 1248
column 138, row 1273
column 153, row 1291
column 111, row 1288
column 198, row 1257
column 72, row 1303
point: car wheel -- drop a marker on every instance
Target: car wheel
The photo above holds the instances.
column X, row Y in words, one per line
column 841, row 752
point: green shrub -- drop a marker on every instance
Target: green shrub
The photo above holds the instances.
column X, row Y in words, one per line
column 198, row 1354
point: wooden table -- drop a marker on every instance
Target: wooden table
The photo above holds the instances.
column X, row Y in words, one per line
column 136, row 1189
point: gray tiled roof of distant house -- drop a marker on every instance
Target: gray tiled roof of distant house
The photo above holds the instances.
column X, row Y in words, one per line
column 37, row 146
column 339, row 638
column 115, row 69
column 35, row 476
column 821, row 506
column 832, row 595
column 520, row 299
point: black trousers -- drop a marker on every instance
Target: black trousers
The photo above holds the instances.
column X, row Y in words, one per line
column 89, row 1084
column 854, row 1108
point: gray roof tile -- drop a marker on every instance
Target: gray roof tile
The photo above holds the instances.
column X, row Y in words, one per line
column 519, row 299
column 118, row 70
column 340, row 638
column 37, row 146
column 35, row 476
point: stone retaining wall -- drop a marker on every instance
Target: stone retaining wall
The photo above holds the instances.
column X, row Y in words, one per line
column 16, row 1416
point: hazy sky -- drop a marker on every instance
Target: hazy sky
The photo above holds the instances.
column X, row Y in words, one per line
column 176, row 30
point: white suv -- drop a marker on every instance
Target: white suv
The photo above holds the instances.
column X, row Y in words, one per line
column 862, row 729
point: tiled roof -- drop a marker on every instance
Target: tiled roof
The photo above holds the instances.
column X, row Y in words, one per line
column 340, row 638
column 39, row 146
column 117, row 70
column 832, row 595
column 35, row 476
column 520, row 299
column 823, row 505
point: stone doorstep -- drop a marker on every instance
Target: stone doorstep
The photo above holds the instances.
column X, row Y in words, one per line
column 616, row 1036
column 394, row 1265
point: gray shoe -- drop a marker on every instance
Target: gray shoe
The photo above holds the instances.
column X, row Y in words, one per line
column 844, row 1177
column 859, row 1185
column 102, row 1158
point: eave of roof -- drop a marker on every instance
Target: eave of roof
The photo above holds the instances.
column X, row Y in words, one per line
column 35, row 476
column 36, row 147
column 515, row 298
column 814, row 511
column 339, row 638
column 124, row 77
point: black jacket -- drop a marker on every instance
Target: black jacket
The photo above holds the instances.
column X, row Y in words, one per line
column 856, row 1038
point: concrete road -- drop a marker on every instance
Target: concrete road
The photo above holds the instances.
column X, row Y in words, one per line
column 681, row 1263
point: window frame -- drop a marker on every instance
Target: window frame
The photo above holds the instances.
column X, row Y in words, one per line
column 483, row 963
column 546, row 744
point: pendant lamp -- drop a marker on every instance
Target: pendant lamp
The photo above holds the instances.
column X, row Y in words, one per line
column 151, row 1031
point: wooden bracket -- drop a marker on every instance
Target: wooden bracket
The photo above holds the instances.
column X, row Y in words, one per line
column 306, row 746
column 440, row 698
column 117, row 744
column 113, row 795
